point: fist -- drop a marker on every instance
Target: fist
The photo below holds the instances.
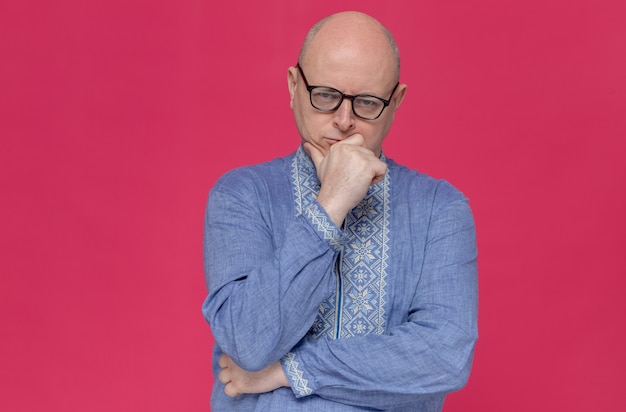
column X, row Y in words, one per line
column 345, row 174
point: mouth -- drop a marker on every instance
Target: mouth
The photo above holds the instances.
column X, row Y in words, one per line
column 332, row 140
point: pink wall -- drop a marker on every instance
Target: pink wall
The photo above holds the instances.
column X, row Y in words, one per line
column 116, row 117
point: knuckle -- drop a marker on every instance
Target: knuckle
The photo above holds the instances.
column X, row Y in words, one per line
column 222, row 377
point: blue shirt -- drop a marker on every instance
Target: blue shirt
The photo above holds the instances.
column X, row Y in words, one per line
column 379, row 314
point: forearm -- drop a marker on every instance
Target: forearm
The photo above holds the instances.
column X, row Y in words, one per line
column 428, row 354
column 258, row 318
column 264, row 292
column 382, row 371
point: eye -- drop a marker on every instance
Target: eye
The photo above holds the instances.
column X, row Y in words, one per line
column 326, row 94
column 367, row 102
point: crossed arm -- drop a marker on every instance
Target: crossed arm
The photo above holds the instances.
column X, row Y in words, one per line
column 413, row 350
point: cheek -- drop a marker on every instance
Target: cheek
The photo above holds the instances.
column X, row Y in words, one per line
column 304, row 122
column 384, row 127
column 309, row 122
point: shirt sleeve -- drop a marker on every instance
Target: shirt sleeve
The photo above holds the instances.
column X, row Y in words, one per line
column 264, row 290
column 430, row 354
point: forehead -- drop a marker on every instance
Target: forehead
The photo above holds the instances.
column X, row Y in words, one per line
column 350, row 73
column 351, row 59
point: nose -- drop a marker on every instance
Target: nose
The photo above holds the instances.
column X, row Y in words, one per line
column 343, row 116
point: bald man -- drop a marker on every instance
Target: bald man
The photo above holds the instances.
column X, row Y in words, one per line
column 338, row 279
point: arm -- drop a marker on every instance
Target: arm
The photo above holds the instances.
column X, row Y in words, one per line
column 429, row 354
column 238, row 381
column 264, row 292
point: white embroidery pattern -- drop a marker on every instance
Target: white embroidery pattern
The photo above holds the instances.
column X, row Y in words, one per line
column 301, row 385
column 361, row 285
column 364, row 264
column 323, row 224
column 306, row 187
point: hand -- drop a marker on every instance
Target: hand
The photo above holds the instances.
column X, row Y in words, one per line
column 345, row 173
column 239, row 381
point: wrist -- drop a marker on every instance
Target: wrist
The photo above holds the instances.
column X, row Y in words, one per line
column 279, row 375
column 336, row 213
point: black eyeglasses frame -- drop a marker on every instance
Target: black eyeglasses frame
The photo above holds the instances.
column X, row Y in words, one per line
column 350, row 97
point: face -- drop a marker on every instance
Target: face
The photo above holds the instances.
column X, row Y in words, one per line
column 352, row 72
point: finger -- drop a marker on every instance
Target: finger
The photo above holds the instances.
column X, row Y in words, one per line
column 355, row 139
column 223, row 361
column 314, row 152
column 380, row 170
column 224, row 376
column 378, row 178
column 230, row 390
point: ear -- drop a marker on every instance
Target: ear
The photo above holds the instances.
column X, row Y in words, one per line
column 398, row 97
column 292, row 83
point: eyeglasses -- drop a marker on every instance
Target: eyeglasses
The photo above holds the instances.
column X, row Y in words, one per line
column 328, row 99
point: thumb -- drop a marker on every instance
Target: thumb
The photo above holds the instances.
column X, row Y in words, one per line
column 355, row 139
column 314, row 152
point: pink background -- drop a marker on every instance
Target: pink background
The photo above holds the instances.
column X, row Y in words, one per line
column 116, row 117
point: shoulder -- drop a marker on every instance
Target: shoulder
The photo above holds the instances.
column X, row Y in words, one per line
column 419, row 187
column 430, row 203
column 261, row 176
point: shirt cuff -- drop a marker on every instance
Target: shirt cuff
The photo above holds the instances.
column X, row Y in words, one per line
column 324, row 225
column 296, row 376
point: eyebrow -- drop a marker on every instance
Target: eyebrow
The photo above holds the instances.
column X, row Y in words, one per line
column 308, row 86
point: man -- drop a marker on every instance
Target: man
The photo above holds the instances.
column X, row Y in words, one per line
column 338, row 279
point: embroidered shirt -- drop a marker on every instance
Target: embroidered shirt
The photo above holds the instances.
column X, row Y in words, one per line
column 379, row 314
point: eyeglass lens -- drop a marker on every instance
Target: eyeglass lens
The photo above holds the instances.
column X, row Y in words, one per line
column 329, row 99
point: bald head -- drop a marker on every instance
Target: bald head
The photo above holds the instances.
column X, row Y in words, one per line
column 352, row 54
column 352, row 32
